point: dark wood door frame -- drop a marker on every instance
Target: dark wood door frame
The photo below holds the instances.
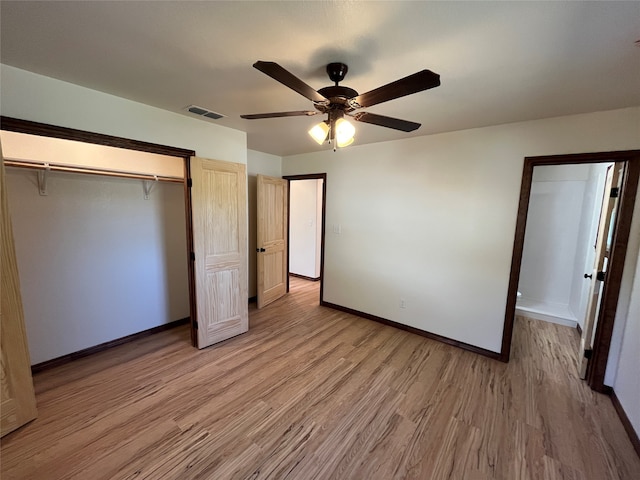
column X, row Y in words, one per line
column 53, row 131
column 611, row 290
column 310, row 176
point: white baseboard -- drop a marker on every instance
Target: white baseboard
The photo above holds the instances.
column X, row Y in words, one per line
column 545, row 317
column 553, row 313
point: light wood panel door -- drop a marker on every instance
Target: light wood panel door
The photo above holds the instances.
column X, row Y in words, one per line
column 272, row 238
column 18, row 400
column 598, row 274
column 219, row 206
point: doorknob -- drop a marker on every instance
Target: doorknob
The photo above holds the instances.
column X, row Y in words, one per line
column 588, row 276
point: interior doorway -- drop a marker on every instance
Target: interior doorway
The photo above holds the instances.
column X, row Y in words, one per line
column 563, row 239
column 630, row 160
column 559, row 244
column 306, row 229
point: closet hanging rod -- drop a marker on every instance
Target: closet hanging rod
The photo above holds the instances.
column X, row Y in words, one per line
column 91, row 171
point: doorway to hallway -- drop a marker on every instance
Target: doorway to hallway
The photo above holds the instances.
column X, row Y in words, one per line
column 306, row 226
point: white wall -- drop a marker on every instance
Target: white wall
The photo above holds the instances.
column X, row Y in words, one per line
column 305, row 226
column 551, row 237
column 431, row 219
column 30, row 96
column 258, row 163
column 97, row 261
column 69, row 153
column 627, row 380
column 629, row 292
column 559, row 241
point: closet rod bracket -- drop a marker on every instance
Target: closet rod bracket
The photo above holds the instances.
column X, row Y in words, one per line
column 147, row 186
column 43, row 176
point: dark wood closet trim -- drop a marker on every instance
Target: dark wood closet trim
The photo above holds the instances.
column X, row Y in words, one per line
column 45, row 130
column 626, row 423
column 191, row 273
column 611, row 290
column 310, row 176
column 417, row 331
column 56, row 362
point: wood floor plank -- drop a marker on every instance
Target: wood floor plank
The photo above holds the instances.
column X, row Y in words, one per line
column 314, row 393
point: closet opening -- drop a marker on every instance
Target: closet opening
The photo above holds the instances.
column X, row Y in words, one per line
column 106, row 236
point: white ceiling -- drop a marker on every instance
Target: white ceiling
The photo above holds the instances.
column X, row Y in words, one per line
column 499, row 62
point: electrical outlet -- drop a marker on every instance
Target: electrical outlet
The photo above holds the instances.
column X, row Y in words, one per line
column 403, row 303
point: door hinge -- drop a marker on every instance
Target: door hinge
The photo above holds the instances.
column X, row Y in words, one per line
column 189, row 183
column 193, row 256
column 615, row 191
column 588, row 353
column 600, row 276
column 195, row 324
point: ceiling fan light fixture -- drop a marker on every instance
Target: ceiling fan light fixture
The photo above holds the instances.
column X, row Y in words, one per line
column 319, row 132
column 337, row 101
column 344, row 132
column 344, row 143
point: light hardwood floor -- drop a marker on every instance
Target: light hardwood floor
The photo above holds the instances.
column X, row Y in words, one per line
column 312, row 393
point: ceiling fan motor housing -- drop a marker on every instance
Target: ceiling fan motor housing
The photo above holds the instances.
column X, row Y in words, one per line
column 337, row 95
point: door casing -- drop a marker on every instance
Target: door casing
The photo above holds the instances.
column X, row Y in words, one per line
column 310, row 176
column 611, row 289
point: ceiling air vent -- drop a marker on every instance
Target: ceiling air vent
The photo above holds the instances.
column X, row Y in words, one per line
column 204, row 112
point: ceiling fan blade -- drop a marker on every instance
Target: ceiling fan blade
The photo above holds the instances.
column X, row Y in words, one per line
column 417, row 82
column 299, row 113
column 288, row 79
column 389, row 122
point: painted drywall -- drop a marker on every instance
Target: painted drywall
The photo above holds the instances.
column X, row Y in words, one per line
column 29, row 96
column 432, row 219
column 629, row 292
column 97, row 261
column 551, row 237
column 258, row 163
column 305, row 222
column 68, row 153
column 627, row 380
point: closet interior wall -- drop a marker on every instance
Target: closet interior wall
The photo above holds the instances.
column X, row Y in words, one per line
column 97, row 260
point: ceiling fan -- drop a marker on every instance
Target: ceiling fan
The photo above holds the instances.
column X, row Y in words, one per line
column 338, row 101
